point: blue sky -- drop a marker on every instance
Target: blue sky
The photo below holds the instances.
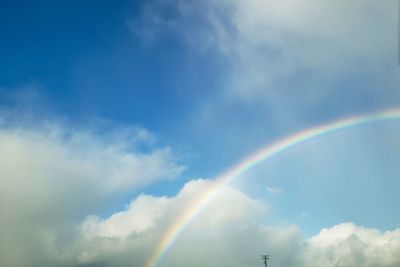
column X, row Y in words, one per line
column 116, row 100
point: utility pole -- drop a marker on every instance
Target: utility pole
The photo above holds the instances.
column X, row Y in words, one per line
column 265, row 258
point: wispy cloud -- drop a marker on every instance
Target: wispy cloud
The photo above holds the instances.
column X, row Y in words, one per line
column 274, row 190
column 279, row 53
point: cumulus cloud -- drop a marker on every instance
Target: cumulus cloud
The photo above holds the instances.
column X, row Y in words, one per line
column 347, row 245
column 52, row 178
column 226, row 225
column 229, row 226
column 58, row 150
column 54, row 190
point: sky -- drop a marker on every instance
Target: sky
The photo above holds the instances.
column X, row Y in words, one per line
column 138, row 133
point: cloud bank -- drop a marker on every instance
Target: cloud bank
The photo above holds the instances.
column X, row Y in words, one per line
column 54, row 188
column 229, row 226
column 50, row 179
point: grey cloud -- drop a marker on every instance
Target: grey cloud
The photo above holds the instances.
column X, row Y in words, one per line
column 47, row 196
column 50, row 179
column 290, row 55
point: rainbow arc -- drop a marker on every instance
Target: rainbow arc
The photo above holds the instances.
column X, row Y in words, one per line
column 174, row 230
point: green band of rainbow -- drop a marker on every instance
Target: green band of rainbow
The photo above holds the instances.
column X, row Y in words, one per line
column 194, row 208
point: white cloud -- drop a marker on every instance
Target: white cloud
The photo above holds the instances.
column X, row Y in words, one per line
column 278, row 51
column 347, row 245
column 50, row 179
column 141, row 215
column 229, row 227
column 275, row 40
column 274, row 190
column 228, row 218
column 83, row 156
column 145, row 213
column 51, row 185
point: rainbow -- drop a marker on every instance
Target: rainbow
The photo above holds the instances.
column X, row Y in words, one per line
column 193, row 209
